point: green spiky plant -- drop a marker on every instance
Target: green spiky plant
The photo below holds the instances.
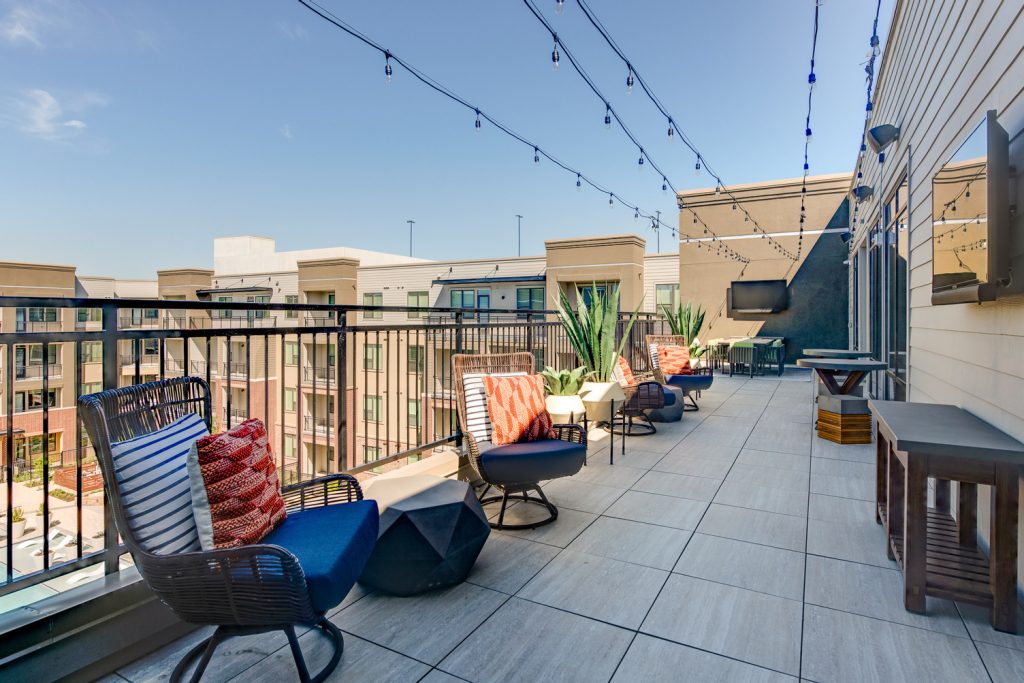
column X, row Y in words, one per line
column 686, row 321
column 564, row 382
column 591, row 330
column 17, row 515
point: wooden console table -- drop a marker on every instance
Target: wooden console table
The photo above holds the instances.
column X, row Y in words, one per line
column 937, row 553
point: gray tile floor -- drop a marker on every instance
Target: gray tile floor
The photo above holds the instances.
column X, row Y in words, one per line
column 734, row 546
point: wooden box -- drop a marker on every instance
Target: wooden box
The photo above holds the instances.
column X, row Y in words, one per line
column 844, row 428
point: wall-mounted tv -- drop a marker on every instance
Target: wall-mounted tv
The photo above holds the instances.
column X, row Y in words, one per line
column 757, row 296
column 971, row 218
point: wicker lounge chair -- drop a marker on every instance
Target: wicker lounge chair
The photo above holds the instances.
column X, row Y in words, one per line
column 294, row 576
column 516, row 469
column 644, row 394
column 692, row 385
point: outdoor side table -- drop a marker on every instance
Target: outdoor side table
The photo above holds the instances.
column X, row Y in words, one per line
column 837, row 353
column 431, row 531
column 939, row 556
column 848, row 420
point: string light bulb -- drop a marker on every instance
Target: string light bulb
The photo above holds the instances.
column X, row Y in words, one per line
column 807, row 132
column 559, row 6
column 607, row 116
column 579, row 184
column 718, row 188
column 609, row 199
column 387, row 67
column 811, row 80
column 696, row 168
column 536, row 155
column 664, row 184
column 629, row 81
column 636, row 213
column 640, row 161
column 671, row 129
column 555, row 56
column 876, row 48
column 476, row 124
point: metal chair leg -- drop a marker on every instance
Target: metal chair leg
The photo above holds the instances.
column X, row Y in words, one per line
column 300, row 661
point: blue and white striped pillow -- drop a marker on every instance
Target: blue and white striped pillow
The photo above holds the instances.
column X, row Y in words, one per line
column 152, row 476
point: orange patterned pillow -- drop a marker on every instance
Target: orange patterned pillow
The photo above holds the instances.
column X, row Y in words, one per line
column 241, row 486
column 674, row 360
column 627, row 373
column 517, row 410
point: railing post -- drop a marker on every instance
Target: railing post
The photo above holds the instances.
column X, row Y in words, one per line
column 342, row 402
column 458, row 349
column 529, row 338
column 110, row 381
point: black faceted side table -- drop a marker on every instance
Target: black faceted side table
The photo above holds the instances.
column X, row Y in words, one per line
column 431, row 531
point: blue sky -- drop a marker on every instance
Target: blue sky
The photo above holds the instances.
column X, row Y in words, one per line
column 135, row 131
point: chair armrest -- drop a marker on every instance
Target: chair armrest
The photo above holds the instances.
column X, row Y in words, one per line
column 249, row 585
column 327, row 490
column 571, row 433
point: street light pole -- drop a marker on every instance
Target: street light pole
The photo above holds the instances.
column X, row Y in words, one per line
column 519, row 235
column 411, row 223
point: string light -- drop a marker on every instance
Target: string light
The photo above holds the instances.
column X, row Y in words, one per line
column 554, row 55
column 607, row 117
column 559, row 6
column 638, row 80
column 812, row 79
column 387, row 66
column 664, row 184
column 869, row 69
column 476, row 125
column 536, row 155
column 578, row 183
column 629, row 82
column 696, row 168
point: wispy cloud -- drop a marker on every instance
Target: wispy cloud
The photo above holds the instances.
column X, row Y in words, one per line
column 39, row 114
column 286, row 131
column 22, row 24
column 292, row 31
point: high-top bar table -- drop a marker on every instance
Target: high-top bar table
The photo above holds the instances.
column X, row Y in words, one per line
column 837, row 353
column 855, row 370
column 939, row 555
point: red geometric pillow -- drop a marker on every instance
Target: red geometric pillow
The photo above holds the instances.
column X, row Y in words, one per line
column 674, row 360
column 628, row 379
column 242, row 488
column 517, row 409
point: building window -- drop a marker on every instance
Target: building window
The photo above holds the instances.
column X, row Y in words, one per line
column 291, row 353
column 371, row 408
column 92, row 352
column 90, row 315
column 290, row 400
column 371, row 357
column 419, row 300
column 258, row 299
column 463, row 298
column 530, row 299
column 666, row 296
column 290, row 313
column 224, row 313
column 92, row 388
column 587, row 292
column 150, row 347
column 896, row 250
column 414, row 412
column 416, row 358
column 25, row 401
column 331, row 299
column 371, row 454
column 42, row 315
column 290, row 447
column 373, row 299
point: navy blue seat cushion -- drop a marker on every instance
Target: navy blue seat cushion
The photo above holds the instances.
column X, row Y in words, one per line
column 670, row 396
column 332, row 543
column 690, row 382
column 530, row 462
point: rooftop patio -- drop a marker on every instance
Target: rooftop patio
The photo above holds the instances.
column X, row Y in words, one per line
column 734, row 545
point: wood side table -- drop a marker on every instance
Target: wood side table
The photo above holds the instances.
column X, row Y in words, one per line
column 938, row 554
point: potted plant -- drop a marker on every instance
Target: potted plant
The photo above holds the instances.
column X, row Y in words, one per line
column 563, row 387
column 686, row 321
column 18, row 522
column 591, row 331
column 43, row 518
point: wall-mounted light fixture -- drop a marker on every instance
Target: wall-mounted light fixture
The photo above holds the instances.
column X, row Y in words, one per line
column 863, row 192
column 882, row 136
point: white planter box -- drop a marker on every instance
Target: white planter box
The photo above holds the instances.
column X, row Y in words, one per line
column 565, row 409
column 597, row 397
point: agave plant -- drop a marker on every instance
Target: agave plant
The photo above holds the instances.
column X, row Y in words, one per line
column 564, row 382
column 686, row 321
column 591, row 330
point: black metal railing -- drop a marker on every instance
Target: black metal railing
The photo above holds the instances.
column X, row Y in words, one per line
column 35, row 370
column 372, row 394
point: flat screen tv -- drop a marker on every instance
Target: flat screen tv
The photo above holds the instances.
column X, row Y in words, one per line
column 971, row 218
column 757, row 296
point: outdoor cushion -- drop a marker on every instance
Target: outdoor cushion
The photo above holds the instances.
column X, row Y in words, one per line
column 517, row 410
column 332, row 543
column 235, row 491
column 532, row 461
column 623, row 374
column 478, row 421
column 674, row 360
column 152, row 476
column 690, row 382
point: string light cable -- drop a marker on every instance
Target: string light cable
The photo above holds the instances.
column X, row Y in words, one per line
column 812, row 78
column 610, row 112
column 869, row 69
column 480, row 115
column 700, row 160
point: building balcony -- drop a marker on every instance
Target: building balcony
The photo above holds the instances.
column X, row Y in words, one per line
column 238, row 320
column 35, row 371
column 321, row 373
column 30, row 326
column 321, row 426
